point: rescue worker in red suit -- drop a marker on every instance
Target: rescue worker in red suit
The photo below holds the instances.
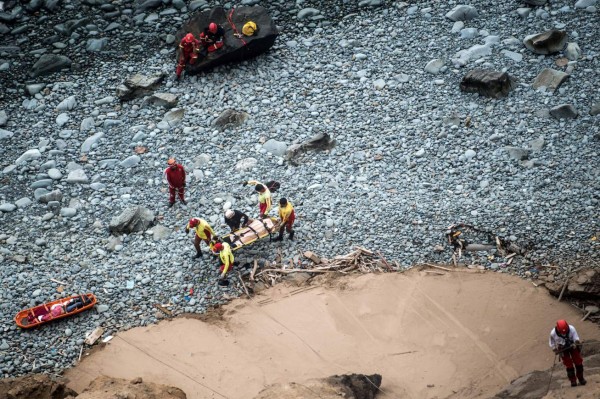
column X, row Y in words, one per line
column 175, row 175
column 188, row 52
column 212, row 37
column 564, row 341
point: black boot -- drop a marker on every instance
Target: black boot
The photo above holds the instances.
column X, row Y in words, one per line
column 279, row 237
column 571, row 375
column 579, row 370
column 198, row 255
column 291, row 236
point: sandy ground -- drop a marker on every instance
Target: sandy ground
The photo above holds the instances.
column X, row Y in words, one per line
column 458, row 335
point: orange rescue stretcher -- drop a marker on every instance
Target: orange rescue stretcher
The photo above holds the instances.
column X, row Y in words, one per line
column 255, row 230
column 42, row 314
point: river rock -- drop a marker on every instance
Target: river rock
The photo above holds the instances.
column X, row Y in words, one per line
column 564, row 111
column 246, row 164
column 49, row 63
column 487, row 83
column 139, row 86
column 549, row 42
column 68, row 212
column 275, row 147
column 318, row 142
column 90, row 142
column 7, row 207
column 29, row 155
column 5, row 134
column 434, row 66
column 462, row 13
column 534, row 2
column 55, row 195
column 95, row 45
column 234, row 49
column 595, row 110
column 131, row 161
column 573, row 52
column 67, row 104
column 165, row 100
column 23, row 202
column 132, row 219
column 173, row 117
column 77, row 176
column 3, row 117
column 230, row 118
column 551, row 79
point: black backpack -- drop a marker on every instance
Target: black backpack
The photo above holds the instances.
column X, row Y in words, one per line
column 273, row 186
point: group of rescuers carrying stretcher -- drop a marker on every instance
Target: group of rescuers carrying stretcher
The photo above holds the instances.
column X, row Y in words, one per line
column 175, row 175
column 211, row 40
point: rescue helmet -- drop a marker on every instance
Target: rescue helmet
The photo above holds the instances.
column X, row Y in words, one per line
column 283, row 202
column 194, row 222
column 259, row 187
column 218, row 247
column 562, row 327
column 189, row 38
column 212, row 28
column 229, row 213
column 171, row 162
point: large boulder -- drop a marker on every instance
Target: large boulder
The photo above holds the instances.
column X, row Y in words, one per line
column 49, row 63
column 235, row 48
column 549, row 78
column 138, row 86
column 564, row 111
column 319, row 142
column 549, row 42
column 350, row 386
column 487, row 83
column 230, row 118
column 137, row 218
column 585, row 284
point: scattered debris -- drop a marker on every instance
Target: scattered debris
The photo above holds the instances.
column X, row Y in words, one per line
column 94, row 336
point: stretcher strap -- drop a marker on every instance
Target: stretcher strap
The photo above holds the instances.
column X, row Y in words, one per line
column 267, row 228
column 254, row 231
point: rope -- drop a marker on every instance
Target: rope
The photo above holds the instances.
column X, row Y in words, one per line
column 172, row 368
column 234, row 28
column 551, row 371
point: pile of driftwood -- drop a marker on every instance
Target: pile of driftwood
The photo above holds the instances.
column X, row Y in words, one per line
column 360, row 260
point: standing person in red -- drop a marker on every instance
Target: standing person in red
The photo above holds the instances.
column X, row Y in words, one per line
column 287, row 215
column 188, row 52
column 564, row 341
column 212, row 37
column 175, row 175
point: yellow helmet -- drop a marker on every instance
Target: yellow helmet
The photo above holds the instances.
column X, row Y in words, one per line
column 249, row 28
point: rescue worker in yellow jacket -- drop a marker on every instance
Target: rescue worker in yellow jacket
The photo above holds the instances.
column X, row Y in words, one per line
column 226, row 257
column 287, row 215
column 203, row 233
column 264, row 197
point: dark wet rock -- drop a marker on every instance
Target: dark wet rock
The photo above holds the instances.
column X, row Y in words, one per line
column 165, row 100
column 350, row 386
column 132, row 219
column 51, row 5
column 34, row 5
column 487, row 83
column 564, row 111
column 49, row 63
column 147, row 5
column 549, row 42
column 234, row 49
column 595, row 110
column 138, row 86
column 535, row 2
column 38, row 386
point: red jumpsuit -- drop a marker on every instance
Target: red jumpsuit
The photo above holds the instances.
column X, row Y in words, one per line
column 176, row 178
column 188, row 52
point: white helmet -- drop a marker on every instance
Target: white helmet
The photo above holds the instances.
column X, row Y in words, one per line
column 229, row 213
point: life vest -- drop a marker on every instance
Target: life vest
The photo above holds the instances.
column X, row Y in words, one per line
column 249, row 28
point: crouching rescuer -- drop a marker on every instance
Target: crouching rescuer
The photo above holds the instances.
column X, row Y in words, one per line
column 286, row 219
column 564, row 341
column 203, row 233
column 226, row 258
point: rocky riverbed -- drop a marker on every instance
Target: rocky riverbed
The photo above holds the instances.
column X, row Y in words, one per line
column 413, row 153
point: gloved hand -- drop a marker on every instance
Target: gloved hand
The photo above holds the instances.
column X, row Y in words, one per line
column 244, row 183
column 187, row 230
column 222, row 276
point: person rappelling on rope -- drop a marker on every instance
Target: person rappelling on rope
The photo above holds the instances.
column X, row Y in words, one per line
column 235, row 219
column 203, row 233
column 264, row 197
column 287, row 215
column 226, row 258
column 564, row 341
column 212, row 37
column 189, row 47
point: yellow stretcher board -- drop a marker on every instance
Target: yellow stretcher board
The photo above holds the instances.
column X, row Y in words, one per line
column 255, row 230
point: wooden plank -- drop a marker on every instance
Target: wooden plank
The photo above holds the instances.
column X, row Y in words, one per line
column 93, row 337
column 163, row 309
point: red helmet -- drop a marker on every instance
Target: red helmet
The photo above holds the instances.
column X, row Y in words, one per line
column 218, row 247
column 194, row 222
column 189, row 38
column 212, row 28
column 562, row 327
